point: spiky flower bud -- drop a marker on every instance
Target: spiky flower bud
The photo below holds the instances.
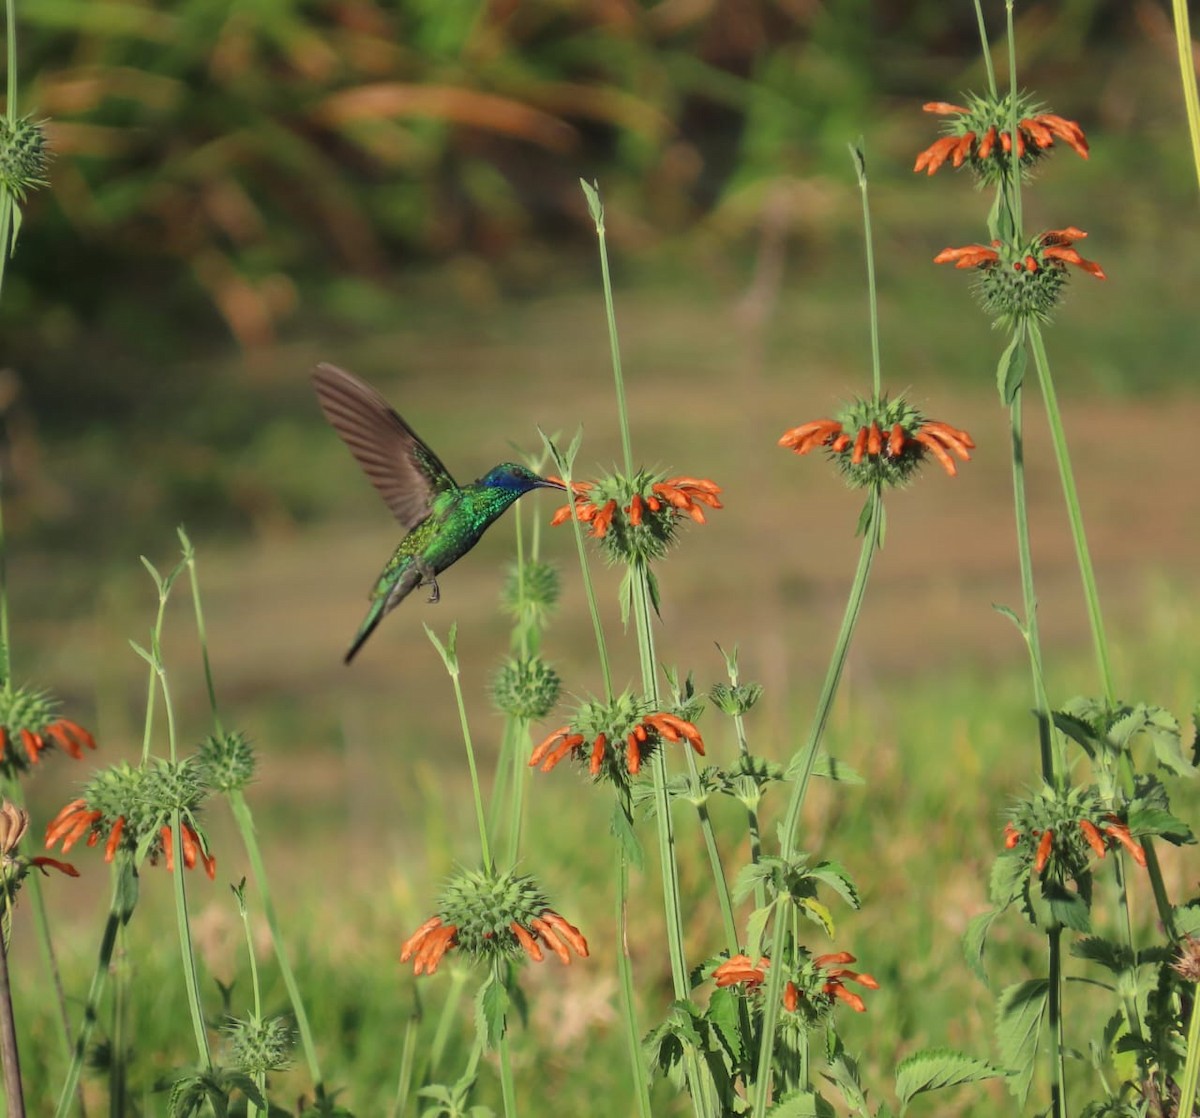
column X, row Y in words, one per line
column 532, row 586
column 526, row 687
column 735, row 700
column 29, row 726
column 227, row 761
column 257, row 1047
column 23, row 156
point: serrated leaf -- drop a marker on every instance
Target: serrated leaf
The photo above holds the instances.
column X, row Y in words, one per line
column 756, row 926
column 1020, row 1010
column 974, row 941
column 1166, row 736
column 753, row 874
column 1007, row 880
column 1151, row 820
column 491, row 1011
column 836, row 877
column 622, row 830
column 842, row 1070
column 1113, row 957
column 833, row 769
column 818, row 914
column 1187, row 920
column 935, row 1068
column 864, row 520
column 1010, row 370
column 724, row 1017
column 802, row 1104
column 1081, row 733
column 1068, row 908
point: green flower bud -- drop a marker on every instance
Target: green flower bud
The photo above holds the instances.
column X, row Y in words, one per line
column 526, row 688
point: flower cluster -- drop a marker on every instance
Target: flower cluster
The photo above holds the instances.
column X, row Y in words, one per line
column 1023, row 281
column 29, row 725
column 1098, row 835
column 129, row 806
column 979, row 135
column 23, row 156
column 813, row 986
column 615, row 737
column 890, row 440
column 14, row 822
column 636, row 518
column 526, row 687
column 488, row 915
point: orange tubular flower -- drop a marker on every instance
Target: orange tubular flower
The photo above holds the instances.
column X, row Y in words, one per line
column 647, row 731
column 71, row 824
column 809, row 436
column 1117, row 830
column 969, row 256
column 936, row 437
column 982, row 136
column 41, row 862
column 1043, row 850
column 824, row 974
column 1011, row 836
column 739, row 970
column 191, row 849
column 1093, row 836
column 428, row 944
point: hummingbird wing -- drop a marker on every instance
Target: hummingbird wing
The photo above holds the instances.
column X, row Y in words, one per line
column 407, row 474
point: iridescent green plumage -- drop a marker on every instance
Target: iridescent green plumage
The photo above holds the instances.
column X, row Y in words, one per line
column 443, row 520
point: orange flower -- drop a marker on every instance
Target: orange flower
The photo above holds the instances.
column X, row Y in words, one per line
column 563, row 741
column 1094, row 839
column 983, row 131
column 809, row 436
column 1051, row 248
column 1117, row 830
column 825, row 974
column 684, row 495
column 1011, row 835
column 1045, row 844
column 433, row 939
column 937, row 437
column 740, row 971
column 62, row 733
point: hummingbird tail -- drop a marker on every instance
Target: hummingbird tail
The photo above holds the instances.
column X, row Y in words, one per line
column 369, row 625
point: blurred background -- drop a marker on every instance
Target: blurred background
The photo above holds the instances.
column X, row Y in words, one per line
column 241, row 190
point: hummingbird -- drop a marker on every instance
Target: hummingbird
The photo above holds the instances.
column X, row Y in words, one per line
column 441, row 519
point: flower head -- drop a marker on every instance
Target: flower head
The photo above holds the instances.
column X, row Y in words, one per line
column 526, row 687
column 814, row 985
column 1023, row 281
column 30, row 725
column 129, row 806
column 23, row 156
column 615, row 738
column 636, row 518
column 14, row 867
column 979, row 135
column 227, row 760
column 891, row 438
column 488, row 915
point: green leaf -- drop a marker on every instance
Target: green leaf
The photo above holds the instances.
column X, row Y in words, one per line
column 652, row 587
column 1165, row 734
column 818, row 914
column 591, row 191
column 724, row 1017
column 1010, row 371
column 1149, row 819
column 802, row 1104
column 1007, row 881
column 1113, row 957
column 1068, row 908
column 1019, row 1014
column 934, row 1068
column 491, row 1011
column 621, row 827
column 447, row 651
column 1187, row 919
column 833, row 769
column 860, row 161
column 756, row 927
column 836, row 877
column 974, row 941
column 1005, row 611
column 842, row 1070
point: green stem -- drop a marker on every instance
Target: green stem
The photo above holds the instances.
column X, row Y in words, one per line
column 245, row 823
column 1058, row 1061
column 860, row 167
column 633, row 1033
column 752, row 824
column 597, row 211
column 187, row 954
column 507, row 1088
column 1053, row 758
column 1191, row 1068
column 801, row 773
column 117, row 1073
column 5, row 648
column 485, row 848
column 1191, row 100
column 119, row 911
column 986, row 48
column 1058, row 439
column 189, row 557
column 446, row 1022
column 14, row 1092
column 260, row 1077
column 407, row 1059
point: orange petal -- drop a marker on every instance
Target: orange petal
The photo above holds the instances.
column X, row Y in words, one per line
column 532, row 948
column 635, row 510
column 987, row 143
column 1043, row 850
column 937, row 450
column 1094, row 839
column 114, row 839
column 544, row 747
column 413, row 941
column 851, row 999
column 943, row 107
column 568, row 743
column 791, row 997
column 551, row 940
column 41, row 862
column 1121, row 833
column 895, row 446
column 860, row 446
column 568, row 932
column 1011, row 835
column 874, row 440
column 633, row 754
column 597, row 754
column 963, row 149
column 59, row 824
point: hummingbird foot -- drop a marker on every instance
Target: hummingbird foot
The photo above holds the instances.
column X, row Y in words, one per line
column 429, row 577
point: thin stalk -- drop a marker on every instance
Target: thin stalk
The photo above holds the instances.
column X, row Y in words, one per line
column 752, row 824
column 1191, row 1068
column 245, row 822
column 803, row 773
column 1191, row 100
column 597, row 212
column 260, row 1077
column 699, row 1085
column 189, row 557
column 14, row 1092
column 404, row 1079
column 5, row 650
column 633, row 1033
column 1013, row 185
column 485, row 848
column 117, row 1077
column 7, row 206
column 860, row 168
column 448, row 1019
column 186, row 951
column 1058, row 439
column 986, row 49
column 117, row 914
column 507, row 1088
column 1058, row 1046
column 1053, row 759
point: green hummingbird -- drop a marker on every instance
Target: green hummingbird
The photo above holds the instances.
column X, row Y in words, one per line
column 442, row 520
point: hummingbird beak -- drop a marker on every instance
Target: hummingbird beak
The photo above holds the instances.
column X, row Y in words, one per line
column 550, row 483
